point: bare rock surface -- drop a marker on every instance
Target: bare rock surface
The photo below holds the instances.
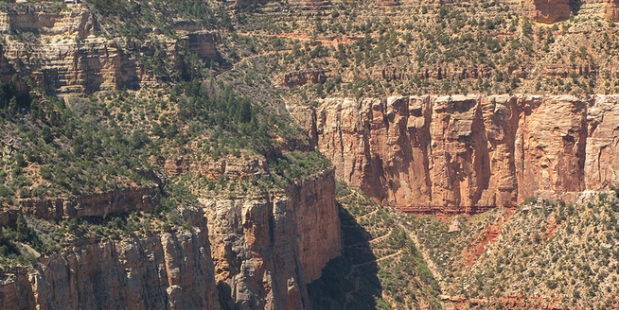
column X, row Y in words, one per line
column 470, row 153
column 266, row 250
column 249, row 253
column 167, row 271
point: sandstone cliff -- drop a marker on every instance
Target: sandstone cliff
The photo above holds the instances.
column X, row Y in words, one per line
column 249, row 253
column 61, row 52
column 467, row 154
column 265, row 250
column 548, row 11
column 170, row 271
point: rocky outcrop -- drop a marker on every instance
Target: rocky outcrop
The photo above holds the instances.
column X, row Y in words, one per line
column 254, row 253
column 548, row 11
column 118, row 201
column 59, row 52
column 611, row 9
column 299, row 78
column 232, row 167
column 112, row 202
column 468, row 154
column 265, row 250
column 170, row 271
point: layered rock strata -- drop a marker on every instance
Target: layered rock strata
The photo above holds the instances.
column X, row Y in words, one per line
column 248, row 253
column 170, row 271
column 232, row 167
column 112, row 202
column 469, row 153
column 60, row 52
column 94, row 205
column 42, row 20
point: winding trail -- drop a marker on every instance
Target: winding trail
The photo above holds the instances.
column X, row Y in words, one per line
column 366, row 215
column 353, row 267
column 381, row 238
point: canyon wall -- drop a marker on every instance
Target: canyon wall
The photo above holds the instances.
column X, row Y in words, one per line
column 62, row 52
column 266, row 249
column 167, row 271
column 246, row 253
column 469, row 153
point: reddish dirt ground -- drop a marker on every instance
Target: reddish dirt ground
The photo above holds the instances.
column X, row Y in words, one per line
column 550, row 228
column 491, row 233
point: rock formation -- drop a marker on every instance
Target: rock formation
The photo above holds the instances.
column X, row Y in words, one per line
column 170, row 271
column 231, row 167
column 60, row 53
column 611, row 9
column 112, row 202
column 303, row 77
column 40, row 21
column 469, row 153
column 251, row 253
column 548, row 11
column 266, row 250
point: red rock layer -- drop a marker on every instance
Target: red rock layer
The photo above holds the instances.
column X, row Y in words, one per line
column 171, row 271
column 469, row 153
column 611, row 9
column 266, row 250
column 548, row 11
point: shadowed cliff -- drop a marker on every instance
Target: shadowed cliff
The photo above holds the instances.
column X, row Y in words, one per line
column 380, row 267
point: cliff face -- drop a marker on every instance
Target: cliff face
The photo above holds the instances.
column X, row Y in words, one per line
column 254, row 253
column 467, row 154
column 171, row 271
column 61, row 53
column 549, row 11
column 265, row 250
column 112, row 202
column 611, row 9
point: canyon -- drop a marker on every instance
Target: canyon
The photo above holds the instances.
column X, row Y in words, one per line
column 256, row 252
column 468, row 153
column 252, row 231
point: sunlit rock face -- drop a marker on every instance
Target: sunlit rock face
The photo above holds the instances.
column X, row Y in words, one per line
column 467, row 152
column 611, row 9
column 547, row 11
